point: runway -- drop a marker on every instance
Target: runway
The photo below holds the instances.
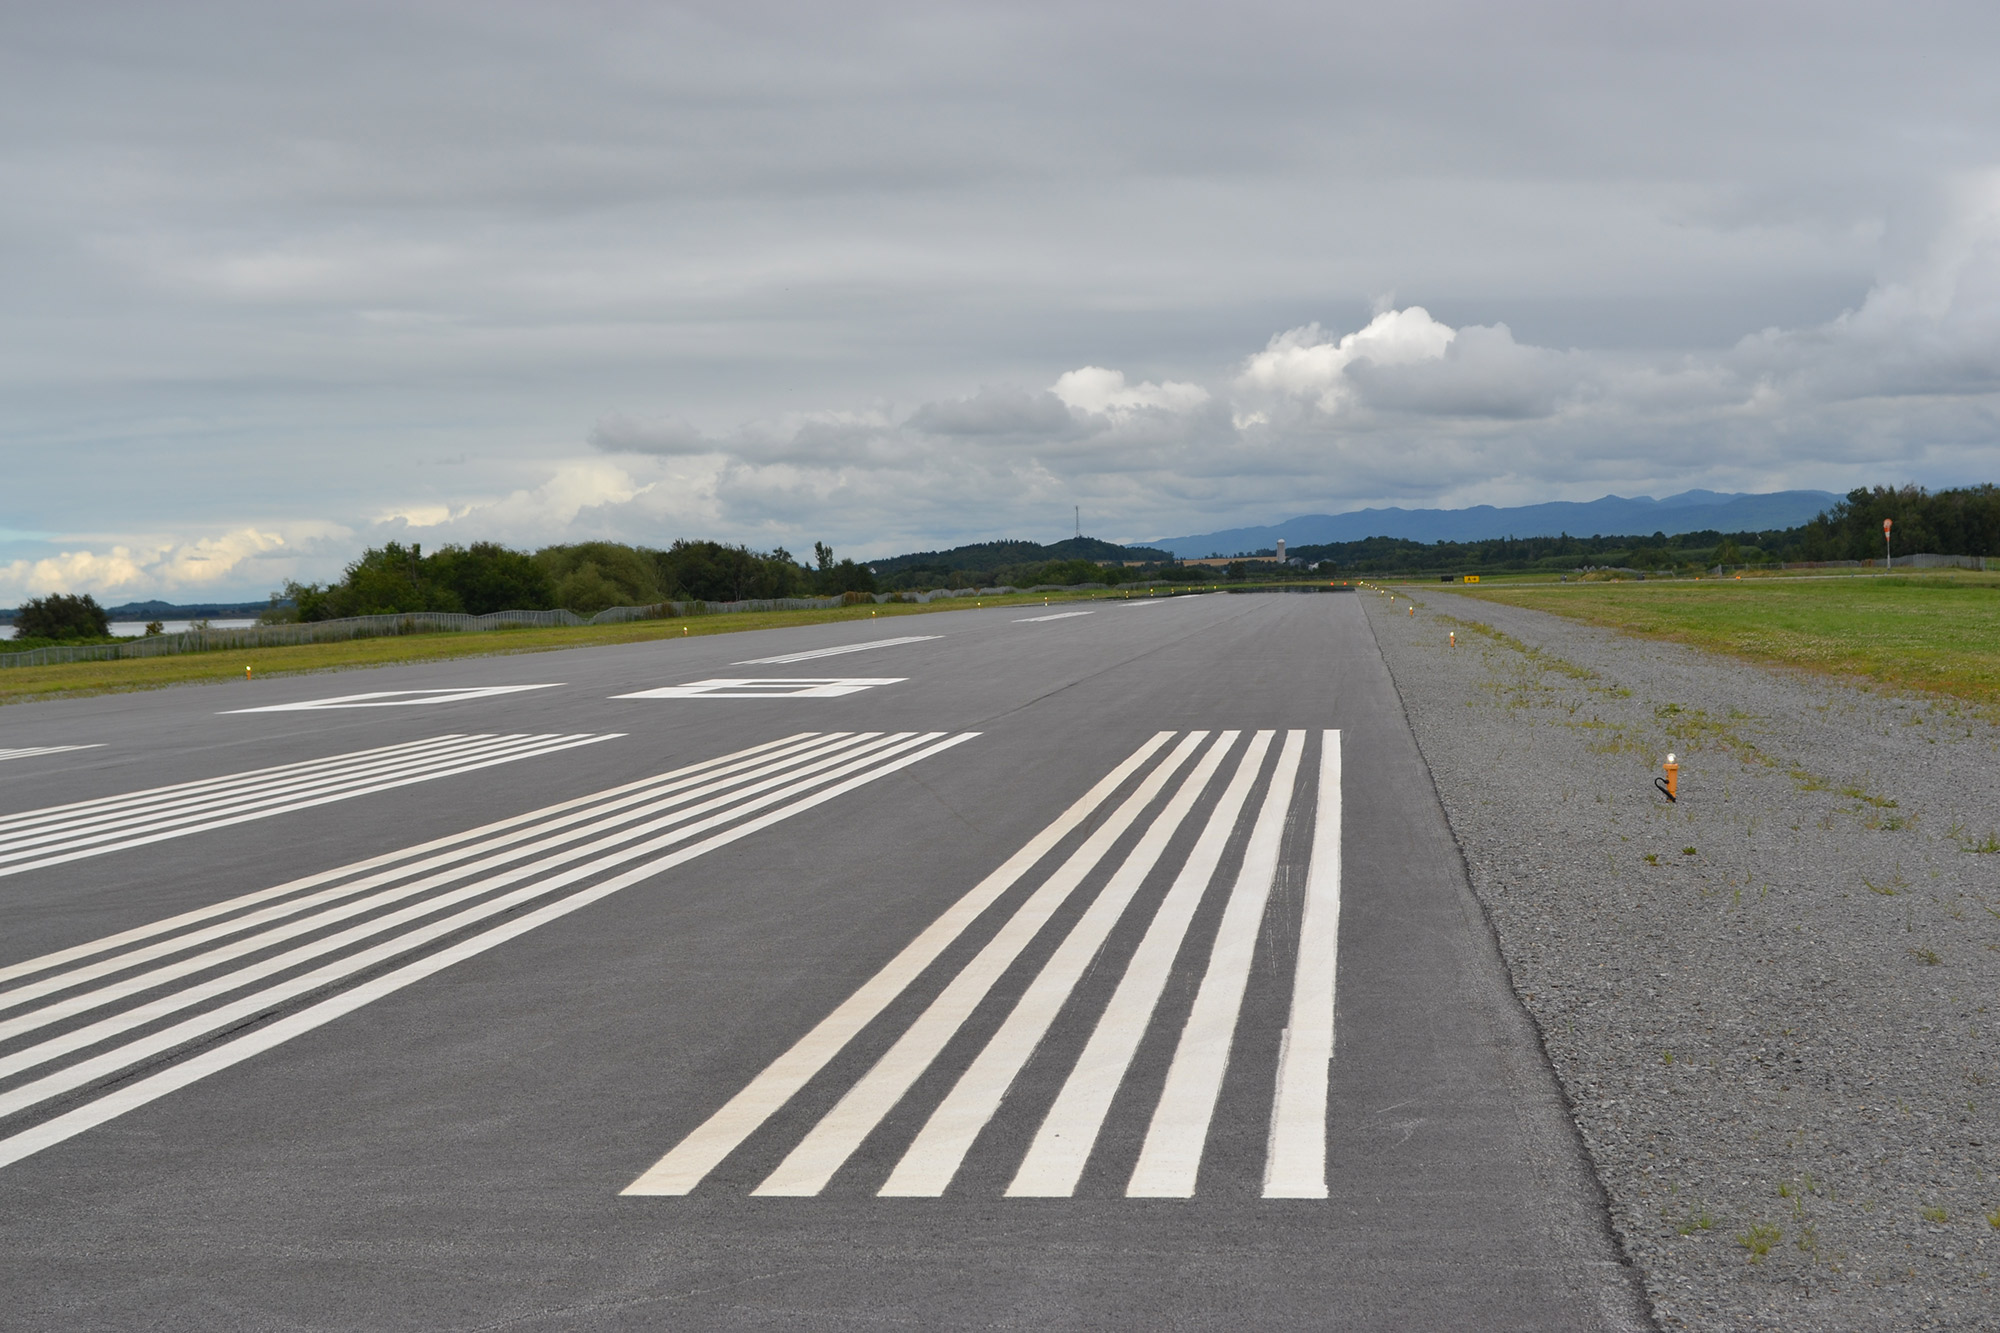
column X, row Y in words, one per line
column 1094, row 968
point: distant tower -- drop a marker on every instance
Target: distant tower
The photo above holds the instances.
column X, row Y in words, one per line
column 1281, row 550
column 1079, row 520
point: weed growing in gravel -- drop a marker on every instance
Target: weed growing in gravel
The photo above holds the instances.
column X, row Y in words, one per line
column 1759, row 1239
column 1698, row 1220
column 1886, row 890
column 1985, row 846
column 1993, row 1219
column 1687, row 851
column 1928, row 957
column 1936, row 1214
column 1652, row 858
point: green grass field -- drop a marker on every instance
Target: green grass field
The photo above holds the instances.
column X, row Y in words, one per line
column 21, row 684
column 1935, row 632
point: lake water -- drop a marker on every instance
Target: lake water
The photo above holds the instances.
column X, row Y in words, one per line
column 135, row 628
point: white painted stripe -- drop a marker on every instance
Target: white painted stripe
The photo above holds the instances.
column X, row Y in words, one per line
column 1060, row 615
column 84, row 832
column 787, row 769
column 142, row 1091
column 228, row 820
column 33, row 750
column 813, row 1162
column 1170, row 1159
column 30, row 818
column 620, row 829
column 78, row 829
column 719, row 1135
column 816, row 687
column 786, row 658
column 1295, row 1164
column 940, row 1147
column 153, row 1011
column 61, row 956
column 110, row 1062
column 395, row 698
column 702, row 1151
column 1055, row 1160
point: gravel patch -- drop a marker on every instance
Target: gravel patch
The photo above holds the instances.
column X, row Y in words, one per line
column 1773, row 1006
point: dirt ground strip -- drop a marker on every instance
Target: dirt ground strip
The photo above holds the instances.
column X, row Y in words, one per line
column 1774, row 1005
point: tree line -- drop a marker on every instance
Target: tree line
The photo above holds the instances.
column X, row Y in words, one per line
column 1958, row 521
column 584, row 577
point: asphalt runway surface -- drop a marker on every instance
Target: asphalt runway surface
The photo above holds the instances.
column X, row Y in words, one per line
column 1081, row 968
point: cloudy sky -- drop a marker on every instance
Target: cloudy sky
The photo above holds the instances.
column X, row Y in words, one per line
column 282, row 281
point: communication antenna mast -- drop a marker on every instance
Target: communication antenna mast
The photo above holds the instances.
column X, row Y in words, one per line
column 1079, row 520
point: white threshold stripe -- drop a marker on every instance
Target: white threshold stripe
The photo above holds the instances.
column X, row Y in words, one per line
column 291, row 906
column 31, row 751
column 1295, row 1162
column 229, row 779
column 1170, row 1160
column 226, row 821
column 810, row 1165
column 150, row 1012
column 140, row 1092
column 58, row 958
column 84, row 829
column 112, row 1061
column 145, row 826
column 690, row 1161
column 157, row 1009
column 1061, row 1149
column 927, row 1167
column 785, row 658
column 786, row 772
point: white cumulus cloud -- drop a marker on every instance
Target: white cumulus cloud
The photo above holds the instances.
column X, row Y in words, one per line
column 1105, row 392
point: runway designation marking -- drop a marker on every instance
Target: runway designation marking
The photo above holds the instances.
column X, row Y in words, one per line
column 1060, row 615
column 835, row 652
column 817, row 687
column 1169, row 1160
column 31, row 751
column 394, row 698
column 58, row 834
column 264, row 963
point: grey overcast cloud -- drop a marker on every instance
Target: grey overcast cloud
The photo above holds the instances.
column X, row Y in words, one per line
column 284, row 281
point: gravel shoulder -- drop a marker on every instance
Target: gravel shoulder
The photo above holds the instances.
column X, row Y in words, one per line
column 1773, row 1005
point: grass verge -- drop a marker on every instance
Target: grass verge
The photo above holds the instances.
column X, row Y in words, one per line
column 23, row 684
column 1935, row 633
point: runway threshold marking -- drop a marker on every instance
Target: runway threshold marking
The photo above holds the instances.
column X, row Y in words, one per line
column 56, row 835
column 785, row 658
column 282, row 949
column 1060, row 615
column 29, row 752
column 1177, row 1134
column 394, row 698
column 815, row 687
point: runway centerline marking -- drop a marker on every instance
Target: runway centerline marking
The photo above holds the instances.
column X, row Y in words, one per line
column 814, row 687
column 1145, row 822
column 786, row 658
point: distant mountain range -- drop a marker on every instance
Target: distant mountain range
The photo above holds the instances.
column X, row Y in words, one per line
column 986, row 556
column 1640, row 515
